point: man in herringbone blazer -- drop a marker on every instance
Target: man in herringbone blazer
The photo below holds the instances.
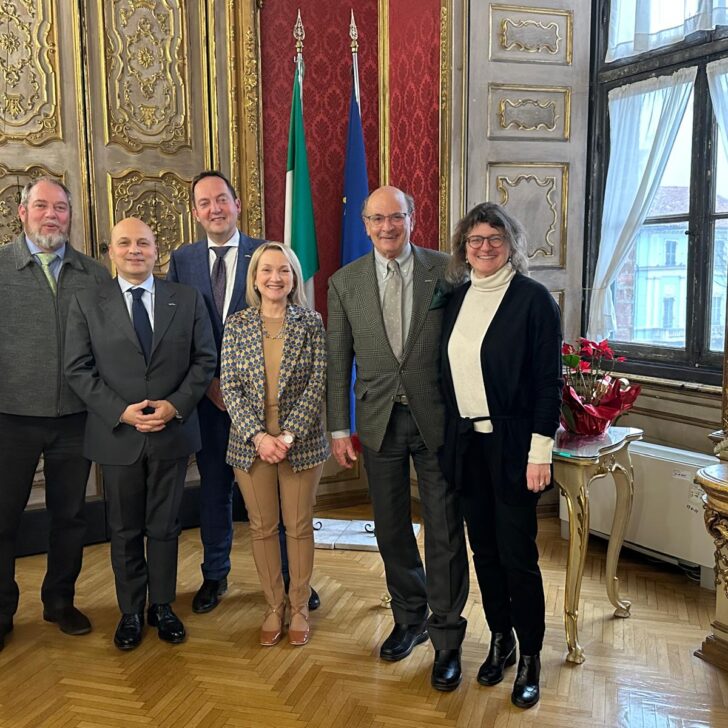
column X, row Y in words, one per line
column 387, row 307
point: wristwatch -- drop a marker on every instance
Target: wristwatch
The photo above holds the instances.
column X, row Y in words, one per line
column 288, row 438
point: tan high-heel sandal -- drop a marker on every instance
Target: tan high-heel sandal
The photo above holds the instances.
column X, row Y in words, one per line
column 270, row 637
column 299, row 637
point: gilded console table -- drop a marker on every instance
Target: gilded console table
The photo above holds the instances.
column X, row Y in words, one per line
column 578, row 462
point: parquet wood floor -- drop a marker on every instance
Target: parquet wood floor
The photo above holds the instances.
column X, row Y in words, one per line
column 640, row 672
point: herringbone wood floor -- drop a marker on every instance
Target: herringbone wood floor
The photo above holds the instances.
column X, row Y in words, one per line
column 639, row 672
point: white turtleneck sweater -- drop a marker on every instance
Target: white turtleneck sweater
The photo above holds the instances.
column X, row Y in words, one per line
column 476, row 314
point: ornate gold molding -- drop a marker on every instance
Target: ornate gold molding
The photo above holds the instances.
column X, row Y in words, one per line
column 160, row 200
column 246, row 113
column 146, row 75
column 29, row 73
column 384, row 143
column 550, row 45
column 445, row 120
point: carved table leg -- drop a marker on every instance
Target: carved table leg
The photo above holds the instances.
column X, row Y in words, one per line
column 573, row 481
column 624, row 484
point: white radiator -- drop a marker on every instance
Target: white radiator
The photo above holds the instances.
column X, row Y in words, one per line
column 667, row 513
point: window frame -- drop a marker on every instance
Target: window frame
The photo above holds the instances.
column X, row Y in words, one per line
column 694, row 363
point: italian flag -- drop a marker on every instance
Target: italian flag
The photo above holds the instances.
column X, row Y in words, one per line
column 299, row 230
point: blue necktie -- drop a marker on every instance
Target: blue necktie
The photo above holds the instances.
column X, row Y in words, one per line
column 140, row 318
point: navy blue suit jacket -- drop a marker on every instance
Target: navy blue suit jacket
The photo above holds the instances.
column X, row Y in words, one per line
column 190, row 264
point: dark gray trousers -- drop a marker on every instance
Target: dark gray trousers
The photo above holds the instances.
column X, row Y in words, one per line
column 445, row 587
column 143, row 504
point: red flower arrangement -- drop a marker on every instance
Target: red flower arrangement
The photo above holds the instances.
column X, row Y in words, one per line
column 592, row 399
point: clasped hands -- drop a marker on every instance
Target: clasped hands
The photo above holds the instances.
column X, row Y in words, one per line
column 155, row 421
column 271, row 449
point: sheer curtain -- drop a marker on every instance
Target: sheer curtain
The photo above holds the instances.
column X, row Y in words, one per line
column 636, row 26
column 644, row 120
column 718, row 84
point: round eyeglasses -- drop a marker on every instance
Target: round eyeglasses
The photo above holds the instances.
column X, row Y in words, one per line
column 476, row 241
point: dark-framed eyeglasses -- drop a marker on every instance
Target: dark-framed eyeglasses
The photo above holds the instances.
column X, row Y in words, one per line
column 476, row 241
column 396, row 218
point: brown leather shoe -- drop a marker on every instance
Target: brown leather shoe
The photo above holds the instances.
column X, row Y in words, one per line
column 300, row 630
column 272, row 629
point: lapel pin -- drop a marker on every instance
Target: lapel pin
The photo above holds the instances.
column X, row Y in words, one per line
column 171, row 304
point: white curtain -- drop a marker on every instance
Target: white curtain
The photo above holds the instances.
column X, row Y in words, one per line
column 718, row 84
column 636, row 26
column 644, row 120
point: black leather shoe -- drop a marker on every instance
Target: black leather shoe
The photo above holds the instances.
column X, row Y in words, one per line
column 168, row 624
column 447, row 671
column 69, row 619
column 128, row 633
column 525, row 690
column 402, row 640
column 208, row 595
column 502, row 654
column 314, row 601
column 6, row 627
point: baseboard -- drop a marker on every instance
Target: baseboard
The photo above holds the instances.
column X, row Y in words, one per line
column 344, row 499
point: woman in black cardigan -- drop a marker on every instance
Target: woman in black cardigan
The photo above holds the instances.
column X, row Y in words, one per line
column 501, row 368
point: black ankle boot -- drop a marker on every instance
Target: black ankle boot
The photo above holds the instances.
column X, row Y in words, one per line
column 502, row 654
column 525, row 690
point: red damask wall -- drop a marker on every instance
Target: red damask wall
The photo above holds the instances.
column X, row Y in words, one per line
column 327, row 86
column 414, row 86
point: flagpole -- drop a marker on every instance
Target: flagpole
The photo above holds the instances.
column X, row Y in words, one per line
column 354, row 35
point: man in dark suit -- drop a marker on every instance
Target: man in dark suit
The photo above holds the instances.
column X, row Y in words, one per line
column 388, row 307
column 140, row 354
column 217, row 267
column 39, row 415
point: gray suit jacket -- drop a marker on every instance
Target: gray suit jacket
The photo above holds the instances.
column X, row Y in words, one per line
column 105, row 366
column 32, row 330
column 356, row 327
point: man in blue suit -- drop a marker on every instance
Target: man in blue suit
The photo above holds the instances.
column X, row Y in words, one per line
column 217, row 267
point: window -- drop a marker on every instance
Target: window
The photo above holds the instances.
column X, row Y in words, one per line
column 665, row 277
column 670, row 250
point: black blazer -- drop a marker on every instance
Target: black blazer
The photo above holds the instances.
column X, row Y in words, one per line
column 105, row 366
column 521, row 366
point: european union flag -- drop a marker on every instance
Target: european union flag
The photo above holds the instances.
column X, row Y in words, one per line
column 354, row 239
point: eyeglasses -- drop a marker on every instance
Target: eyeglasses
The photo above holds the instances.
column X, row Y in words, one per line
column 476, row 241
column 396, row 218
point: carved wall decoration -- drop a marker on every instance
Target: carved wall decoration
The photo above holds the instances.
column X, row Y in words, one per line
column 162, row 202
column 537, row 195
column 28, row 72
column 529, row 112
column 146, row 75
column 531, row 35
column 12, row 182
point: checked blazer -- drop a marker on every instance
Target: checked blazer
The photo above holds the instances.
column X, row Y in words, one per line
column 356, row 327
column 301, row 386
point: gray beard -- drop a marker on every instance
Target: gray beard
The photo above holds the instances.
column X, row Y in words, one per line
column 49, row 242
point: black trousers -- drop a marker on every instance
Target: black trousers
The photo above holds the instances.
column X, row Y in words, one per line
column 143, row 501
column 503, row 540
column 59, row 440
column 445, row 587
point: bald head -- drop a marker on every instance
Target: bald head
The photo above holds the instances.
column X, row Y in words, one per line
column 133, row 249
column 389, row 219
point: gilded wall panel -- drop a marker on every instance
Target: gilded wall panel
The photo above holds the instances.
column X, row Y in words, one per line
column 28, row 72
column 531, row 35
column 537, row 195
column 12, row 182
column 160, row 200
column 529, row 112
column 146, row 74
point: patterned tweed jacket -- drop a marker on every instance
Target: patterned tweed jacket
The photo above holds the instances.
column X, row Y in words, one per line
column 301, row 386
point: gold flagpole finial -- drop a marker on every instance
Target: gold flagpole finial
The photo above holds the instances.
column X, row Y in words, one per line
column 353, row 34
column 298, row 33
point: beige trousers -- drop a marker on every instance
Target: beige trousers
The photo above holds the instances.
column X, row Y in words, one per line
column 261, row 487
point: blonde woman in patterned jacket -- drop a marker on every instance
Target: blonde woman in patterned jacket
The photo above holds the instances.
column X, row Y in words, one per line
column 273, row 380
